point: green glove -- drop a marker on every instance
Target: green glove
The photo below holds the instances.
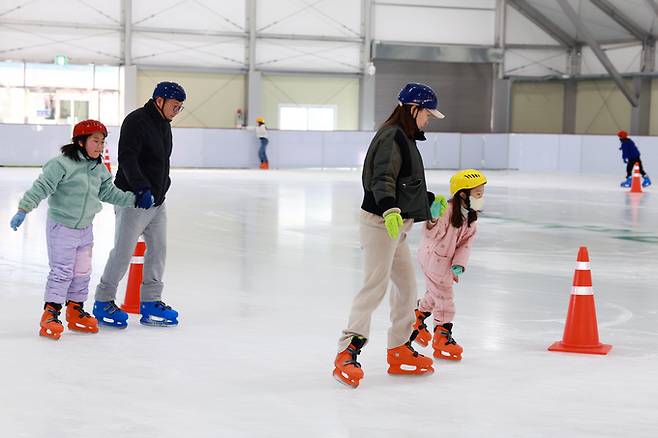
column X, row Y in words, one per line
column 457, row 270
column 438, row 206
column 393, row 221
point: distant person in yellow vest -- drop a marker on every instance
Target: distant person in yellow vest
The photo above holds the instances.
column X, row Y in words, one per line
column 261, row 133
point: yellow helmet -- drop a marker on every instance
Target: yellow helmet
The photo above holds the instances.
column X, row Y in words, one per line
column 466, row 179
column 260, row 120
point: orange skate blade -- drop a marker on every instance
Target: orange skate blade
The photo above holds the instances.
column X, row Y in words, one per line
column 440, row 354
column 50, row 334
column 409, row 369
column 84, row 328
column 345, row 379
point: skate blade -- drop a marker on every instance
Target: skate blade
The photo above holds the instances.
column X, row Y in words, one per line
column 157, row 322
column 409, row 370
column 447, row 356
column 350, row 383
column 112, row 323
column 81, row 328
column 47, row 333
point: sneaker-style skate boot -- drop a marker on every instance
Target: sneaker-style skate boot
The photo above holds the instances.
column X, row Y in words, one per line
column 424, row 336
column 78, row 319
column 646, row 181
column 108, row 314
column 445, row 347
column 626, row 183
column 157, row 313
column 347, row 370
column 405, row 360
column 51, row 326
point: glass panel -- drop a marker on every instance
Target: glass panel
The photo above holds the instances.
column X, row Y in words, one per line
column 293, row 118
column 11, row 73
column 321, row 118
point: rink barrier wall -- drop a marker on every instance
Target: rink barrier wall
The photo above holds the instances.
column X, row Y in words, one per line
column 33, row 145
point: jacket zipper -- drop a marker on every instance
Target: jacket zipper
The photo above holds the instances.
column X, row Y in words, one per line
column 84, row 203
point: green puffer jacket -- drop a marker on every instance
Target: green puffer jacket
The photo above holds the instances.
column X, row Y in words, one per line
column 75, row 190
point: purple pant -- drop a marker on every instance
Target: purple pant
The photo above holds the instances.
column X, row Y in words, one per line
column 69, row 256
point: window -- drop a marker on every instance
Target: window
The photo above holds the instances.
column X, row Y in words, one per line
column 307, row 117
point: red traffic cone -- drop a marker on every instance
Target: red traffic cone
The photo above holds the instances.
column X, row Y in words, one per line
column 135, row 276
column 581, row 334
column 636, row 184
column 106, row 160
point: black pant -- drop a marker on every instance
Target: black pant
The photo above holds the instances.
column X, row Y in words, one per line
column 629, row 167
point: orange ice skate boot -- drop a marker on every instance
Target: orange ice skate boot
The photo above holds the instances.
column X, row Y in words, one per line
column 405, row 360
column 51, row 326
column 445, row 347
column 347, row 370
column 424, row 336
column 79, row 320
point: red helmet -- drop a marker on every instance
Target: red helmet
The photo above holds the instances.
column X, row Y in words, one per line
column 622, row 134
column 87, row 127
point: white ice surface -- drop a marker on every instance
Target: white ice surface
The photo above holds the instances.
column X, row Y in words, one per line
column 263, row 266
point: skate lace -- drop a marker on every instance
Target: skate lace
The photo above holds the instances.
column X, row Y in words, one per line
column 54, row 318
column 354, row 353
column 449, row 338
column 414, row 352
column 162, row 305
column 81, row 311
column 111, row 307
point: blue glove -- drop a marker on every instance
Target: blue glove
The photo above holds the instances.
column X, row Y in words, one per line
column 144, row 199
column 17, row 220
column 439, row 206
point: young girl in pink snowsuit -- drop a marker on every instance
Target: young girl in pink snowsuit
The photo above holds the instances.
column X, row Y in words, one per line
column 443, row 256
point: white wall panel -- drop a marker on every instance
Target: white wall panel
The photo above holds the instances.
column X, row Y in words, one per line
column 520, row 30
column 199, row 15
column 235, row 148
column 624, row 58
column 326, row 18
column 307, row 55
column 534, row 62
column 41, row 44
column 434, row 25
column 200, row 51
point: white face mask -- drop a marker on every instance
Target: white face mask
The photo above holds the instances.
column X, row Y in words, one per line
column 476, row 203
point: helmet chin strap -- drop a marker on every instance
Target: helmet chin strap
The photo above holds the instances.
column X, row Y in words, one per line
column 161, row 109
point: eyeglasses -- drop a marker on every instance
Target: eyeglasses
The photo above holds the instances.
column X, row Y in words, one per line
column 178, row 108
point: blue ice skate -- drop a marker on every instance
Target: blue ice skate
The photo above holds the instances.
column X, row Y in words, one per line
column 108, row 314
column 626, row 183
column 157, row 313
column 646, row 181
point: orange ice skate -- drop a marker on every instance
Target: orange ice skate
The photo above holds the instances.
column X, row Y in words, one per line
column 347, row 370
column 445, row 347
column 51, row 326
column 79, row 320
column 405, row 360
column 424, row 336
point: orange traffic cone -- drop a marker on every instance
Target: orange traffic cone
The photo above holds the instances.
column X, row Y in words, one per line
column 581, row 334
column 636, row 184
column 106, row 160
column 135, row 276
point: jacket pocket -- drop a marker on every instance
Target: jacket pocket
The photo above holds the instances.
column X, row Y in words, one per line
column 408, row 192
column 438, row 269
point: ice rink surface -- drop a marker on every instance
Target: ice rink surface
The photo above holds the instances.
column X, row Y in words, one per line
column 263, row 267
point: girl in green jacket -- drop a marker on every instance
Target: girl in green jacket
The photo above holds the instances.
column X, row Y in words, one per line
column 75, row 183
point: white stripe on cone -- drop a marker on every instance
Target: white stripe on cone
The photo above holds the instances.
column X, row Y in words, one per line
column 137, row 260
column 582, row 290
column 582, row 266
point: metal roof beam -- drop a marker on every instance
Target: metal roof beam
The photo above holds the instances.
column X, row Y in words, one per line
column 539, row 19
column 596, row 48
column 615, row 14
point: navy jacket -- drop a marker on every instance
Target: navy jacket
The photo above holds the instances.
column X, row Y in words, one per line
column 628, row 150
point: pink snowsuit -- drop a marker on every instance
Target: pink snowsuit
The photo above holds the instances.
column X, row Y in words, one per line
column 442, row 247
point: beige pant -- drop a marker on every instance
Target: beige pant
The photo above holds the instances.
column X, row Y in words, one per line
column 384, row 259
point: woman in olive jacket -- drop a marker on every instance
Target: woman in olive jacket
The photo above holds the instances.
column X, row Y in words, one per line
column 395, row 196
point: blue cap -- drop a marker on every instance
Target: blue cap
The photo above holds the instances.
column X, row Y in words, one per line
column 169, row 90
column 421, row 95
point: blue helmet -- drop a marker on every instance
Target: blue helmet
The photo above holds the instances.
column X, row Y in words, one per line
column 421, row 95
column 169, row 90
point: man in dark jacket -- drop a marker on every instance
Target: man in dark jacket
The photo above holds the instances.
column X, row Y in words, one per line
column 145, row 145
